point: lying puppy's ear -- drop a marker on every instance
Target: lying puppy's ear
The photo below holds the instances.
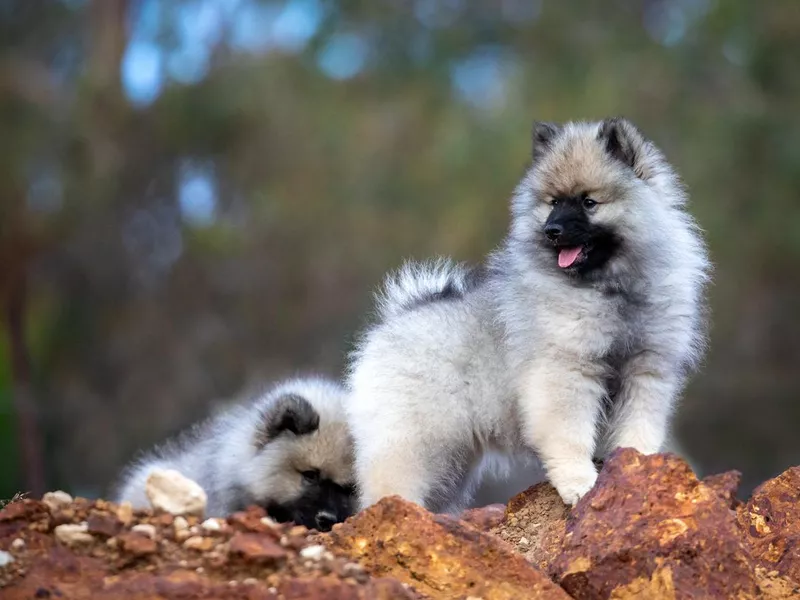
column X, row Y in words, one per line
column 543, row 135
column 289, row 413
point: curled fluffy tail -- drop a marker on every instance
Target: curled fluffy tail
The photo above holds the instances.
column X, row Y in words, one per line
column 418, row 283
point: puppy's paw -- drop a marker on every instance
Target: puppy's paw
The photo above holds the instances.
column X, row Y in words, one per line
column 573, row 484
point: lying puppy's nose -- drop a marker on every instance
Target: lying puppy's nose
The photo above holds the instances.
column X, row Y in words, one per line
column 553, row 231
column 325, row 520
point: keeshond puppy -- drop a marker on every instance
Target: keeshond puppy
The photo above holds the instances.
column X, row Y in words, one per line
column 289, row 451
column 576, row 337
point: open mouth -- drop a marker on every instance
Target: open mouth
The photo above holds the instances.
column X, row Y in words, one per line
column 571, row 256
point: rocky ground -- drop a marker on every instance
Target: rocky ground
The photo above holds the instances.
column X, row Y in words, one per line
column 649, row 529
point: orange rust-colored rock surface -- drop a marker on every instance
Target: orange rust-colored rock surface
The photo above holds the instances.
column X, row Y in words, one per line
column 535, row 523
column 484, row 518
column 770, row 522
column 651, row 529
column 440, row 556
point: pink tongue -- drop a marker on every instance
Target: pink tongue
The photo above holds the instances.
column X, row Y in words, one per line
column 567, row 256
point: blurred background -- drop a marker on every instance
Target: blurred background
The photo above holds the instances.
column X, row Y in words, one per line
column 199, row 196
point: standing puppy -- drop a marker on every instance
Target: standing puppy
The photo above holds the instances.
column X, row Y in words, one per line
column 289, row 451
column 575, row 339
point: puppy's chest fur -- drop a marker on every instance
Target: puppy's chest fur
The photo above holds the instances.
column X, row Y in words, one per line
column 593, row 325
column 628, row 315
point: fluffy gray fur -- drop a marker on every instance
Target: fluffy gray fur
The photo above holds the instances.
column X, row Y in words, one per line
column 531, row 356
column 238, row 458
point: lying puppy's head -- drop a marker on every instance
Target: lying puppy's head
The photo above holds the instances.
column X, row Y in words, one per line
column 302, row 470
column 594, row 199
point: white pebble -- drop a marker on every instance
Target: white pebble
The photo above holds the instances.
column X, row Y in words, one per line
column 352, row 568
column 180, row 524
column 145, row 529
column 524, row 541
column 74, row 534
column 174, row 493
column 313, row 552
column 211, row 525
column 272, row 523
column 196, row 542
column 250, row 581
column 56, row 500
column 18, row 544
column 5, row 558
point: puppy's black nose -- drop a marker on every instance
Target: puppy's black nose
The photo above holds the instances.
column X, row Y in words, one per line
column 553, row 231
column 325, row 520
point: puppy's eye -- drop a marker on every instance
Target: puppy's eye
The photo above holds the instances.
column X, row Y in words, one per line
column 554, row 202
column 310, row 476
column 588, row 203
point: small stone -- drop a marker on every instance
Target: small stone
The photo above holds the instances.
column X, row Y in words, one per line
column 174, row 493
column 125, row 513
column 298, row 530
column 72, row 534
column 250, row 581
column 181, row 529
column 256, row 548
column 18, row 544
column 5, row 559
column 112, row 543
column 198, row 542
column 313, row 552
column 56, row 500
column 145, row 529
column 523, row 541
column 211, row 525
column 137, row 543
column 350, row 569
column 199, row 570
column 104, row 525
column 269, row 522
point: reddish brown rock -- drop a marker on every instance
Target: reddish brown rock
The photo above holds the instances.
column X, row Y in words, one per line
column 535, row 523
column 256, row 548
column 650, row 529
column 484, row 518
column 252, row 519
column 439, row 556
column 136, row 544
column 327, row 588
column 134, row 565
column 104, row 525
column 771, row 524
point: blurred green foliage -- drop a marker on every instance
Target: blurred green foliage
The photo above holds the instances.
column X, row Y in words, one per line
column 227, row 229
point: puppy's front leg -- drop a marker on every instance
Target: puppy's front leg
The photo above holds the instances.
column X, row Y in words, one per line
column 560, row 404
column 640, row 418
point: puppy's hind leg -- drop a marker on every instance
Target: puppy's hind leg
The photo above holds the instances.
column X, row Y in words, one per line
column 430, row 472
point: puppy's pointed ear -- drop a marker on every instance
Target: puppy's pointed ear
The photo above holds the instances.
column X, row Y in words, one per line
column 543, row 135
column 622, row 140
column 289, row 413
